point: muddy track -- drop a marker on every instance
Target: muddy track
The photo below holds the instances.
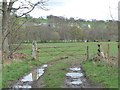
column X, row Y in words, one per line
column 28, row 80
column 12, row 83
column 86, row 83
column 76, row 78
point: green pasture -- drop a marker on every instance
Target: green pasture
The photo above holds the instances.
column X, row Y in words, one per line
column 53, row 54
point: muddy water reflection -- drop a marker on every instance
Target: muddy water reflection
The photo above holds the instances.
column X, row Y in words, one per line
column 26, row 81
column 75, row 69
column 20, row 86
column 27, row 78
column 74, row 76
column 76, row 82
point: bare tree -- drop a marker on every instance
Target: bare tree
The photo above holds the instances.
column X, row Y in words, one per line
column 0, row 37
column 8, row 9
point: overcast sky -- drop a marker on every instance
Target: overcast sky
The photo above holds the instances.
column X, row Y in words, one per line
column 86, row 9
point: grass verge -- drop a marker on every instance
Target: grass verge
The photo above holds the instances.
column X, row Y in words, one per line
column 101, row 73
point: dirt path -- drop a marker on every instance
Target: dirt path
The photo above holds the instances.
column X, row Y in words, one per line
column 76, row 78
column 28, row 80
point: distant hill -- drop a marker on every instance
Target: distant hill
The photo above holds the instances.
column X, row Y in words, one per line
column 60, row 28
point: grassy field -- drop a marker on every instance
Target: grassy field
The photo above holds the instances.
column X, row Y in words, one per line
column 101, row 73
column 61, row 56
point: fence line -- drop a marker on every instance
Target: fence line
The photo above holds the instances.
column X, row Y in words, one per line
column 105, row 49
column 87, row 52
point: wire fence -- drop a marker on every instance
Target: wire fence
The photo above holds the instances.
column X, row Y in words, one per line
column 73, row 51
column 102, row 52
column 96, row 51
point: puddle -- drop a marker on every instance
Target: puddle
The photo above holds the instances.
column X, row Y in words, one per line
column 27, row 78
column 77, row 82
column 24, row 86
column 75, row 79
column 75, row 69
column 33, row 76
column 40, row 72
column 74, row 75
column 45, row 65
column 26, row 81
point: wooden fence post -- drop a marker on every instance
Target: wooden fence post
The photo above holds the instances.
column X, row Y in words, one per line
column 108, row 53
column 34, row 50
column 99, row 53
column 87, row 52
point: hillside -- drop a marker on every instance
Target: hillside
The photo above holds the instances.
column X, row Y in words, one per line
column 60, row 28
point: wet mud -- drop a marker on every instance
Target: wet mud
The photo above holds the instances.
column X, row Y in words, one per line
column 76, row 78
column 28, row 80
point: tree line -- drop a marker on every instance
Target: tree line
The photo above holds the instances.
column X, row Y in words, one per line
column 56, row 28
